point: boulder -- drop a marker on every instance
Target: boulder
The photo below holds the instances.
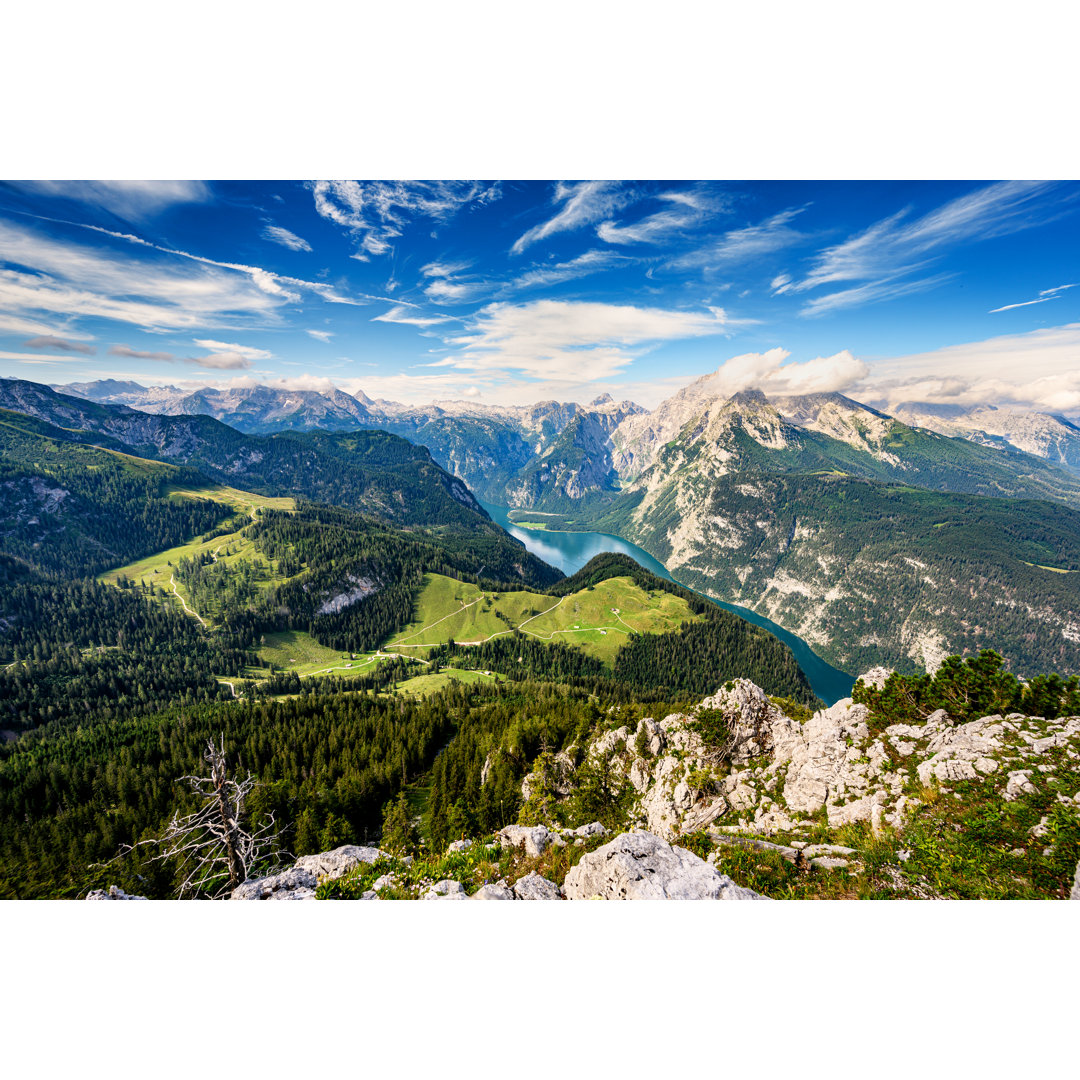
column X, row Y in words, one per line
column 496, row 891
column 333, row 864
column 534, row 839
column 447, row 889
column 641, row 866
column 594, row 828
column 114, row 892
column 534, row 887
column 1075, row 893
column 459, row 845
column 294, row 884
column 1018, row 784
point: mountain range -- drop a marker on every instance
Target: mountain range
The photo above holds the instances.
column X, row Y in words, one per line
column 878, row 538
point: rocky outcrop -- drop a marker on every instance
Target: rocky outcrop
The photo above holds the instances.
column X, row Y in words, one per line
column 293, row 884
column 332, row 864
column 300, row 881
column 776, row 774
column 114, row 892
column 640, row 866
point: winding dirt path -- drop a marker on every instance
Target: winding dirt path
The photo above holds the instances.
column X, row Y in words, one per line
column 190, row 611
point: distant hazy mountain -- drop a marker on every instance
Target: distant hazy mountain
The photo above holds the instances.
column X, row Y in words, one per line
column 1046, row 435
column 487, row 446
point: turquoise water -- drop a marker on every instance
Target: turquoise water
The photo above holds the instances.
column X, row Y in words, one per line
column 570, row 551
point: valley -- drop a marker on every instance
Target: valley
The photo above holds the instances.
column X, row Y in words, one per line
column 365, row 630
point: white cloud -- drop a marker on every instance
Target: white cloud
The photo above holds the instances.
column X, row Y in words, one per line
column 443, row 269
column 690, row 209
column 1043, row 297
column 769, row 373
column 72, row 280
column 401, row 314
column 445, row 290
column 33, row 358
column 738, row 245
column 321, row 335
column 578, row 342
column 780, row 284
column 894, row 248
column 49, row 341
column 277, row 285
column 285, row 238
column 240, row 350
column 377, row 211
column 132, row 199
column 552, row 274
column 16, row 324
column 1040, row 369
column 582, row 204
column 874, row 292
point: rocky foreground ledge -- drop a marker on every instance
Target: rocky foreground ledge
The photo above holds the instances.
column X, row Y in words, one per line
column 634, row 866
column 904, row 809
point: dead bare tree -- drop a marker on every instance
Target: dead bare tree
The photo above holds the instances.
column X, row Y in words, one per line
column 215, row 851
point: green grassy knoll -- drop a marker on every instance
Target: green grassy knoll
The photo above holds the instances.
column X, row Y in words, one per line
column 599, row 619
column 227, row 549
column 295, row 650
column 422, row 685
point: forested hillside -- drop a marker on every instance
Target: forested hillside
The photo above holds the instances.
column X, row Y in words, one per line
column 872, row 573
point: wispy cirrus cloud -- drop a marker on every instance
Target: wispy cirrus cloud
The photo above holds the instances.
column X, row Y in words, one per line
column 410, row 317
column 890, row 251
column 48, row 341
column 590, row 262
column 581, row 204
column 377, row 212
column 687, row 210
column 321, row 335
column 1042, row 298
column 772, row 234
column 131, row 199
column 71, row 281
column 873, row 292
column 278, row 235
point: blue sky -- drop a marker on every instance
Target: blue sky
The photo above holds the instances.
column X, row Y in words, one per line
column 509, row 292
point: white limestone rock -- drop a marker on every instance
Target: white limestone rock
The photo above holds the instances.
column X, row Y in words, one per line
column 533, row 838
column 296, row 883
column 1018, row 784
column 496, row 891
column 447, row 889
column 459, row 845
column 640, row 866
column 333, row 864
column 654, row 735
column 114, row 892
column 535, row 887
column 876, row 677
